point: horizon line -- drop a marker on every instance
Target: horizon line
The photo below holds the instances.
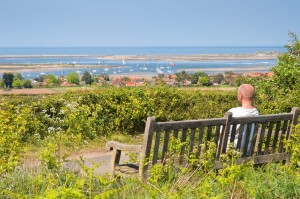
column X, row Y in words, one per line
column 213, row 46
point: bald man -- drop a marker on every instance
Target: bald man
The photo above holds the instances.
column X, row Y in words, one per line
column 245, row 98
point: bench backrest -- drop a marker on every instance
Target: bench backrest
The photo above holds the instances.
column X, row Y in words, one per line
column 258, row 135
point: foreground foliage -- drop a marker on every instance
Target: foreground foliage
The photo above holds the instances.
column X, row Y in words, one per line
column 235, row 181
column 66, row 120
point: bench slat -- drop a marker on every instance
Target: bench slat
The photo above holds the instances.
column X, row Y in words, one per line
column 262, row 118
column 192, row 141
column 261, row 138
column 269, row 135
column 183, row 146
column 255, row 138
column 233, row 132
column 276, row 135
column 246, row 138
column 156, row 147
column 200, row 137
column 240, row 135
column 283, row 133
column 160, row 126
column 166, row 144
column 208, row 136
column 176, row 133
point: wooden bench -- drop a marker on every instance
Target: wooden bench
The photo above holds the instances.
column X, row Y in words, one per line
column 263, row 136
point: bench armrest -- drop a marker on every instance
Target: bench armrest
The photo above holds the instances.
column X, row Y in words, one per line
column 123, row 147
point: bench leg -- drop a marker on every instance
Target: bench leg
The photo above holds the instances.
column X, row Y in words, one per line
column 115, row 160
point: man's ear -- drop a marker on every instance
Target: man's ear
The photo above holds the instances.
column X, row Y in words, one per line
column 240, row 96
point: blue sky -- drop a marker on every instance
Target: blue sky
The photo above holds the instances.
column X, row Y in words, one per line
column 68, row 23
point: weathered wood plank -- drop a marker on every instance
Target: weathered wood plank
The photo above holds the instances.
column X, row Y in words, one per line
column 189, row 124
column 192, row 141
column 269, row 135
column 147, row 143
column 240, row 136
column 261, row 138
column 228, row 117
column 217, row 134
column 259, row 159
column 247, row 139
column 262, row 118
column 182, row 148
column 276, row 135
column 156, row 147
column 200, row 138
column 233, row 132
column 254, row 140
column 123, row 147
column 175, row 133
column 283, row 133
column 166, row 145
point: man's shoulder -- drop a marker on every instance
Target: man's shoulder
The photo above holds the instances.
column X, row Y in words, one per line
column 235, row 109
column 239, row 112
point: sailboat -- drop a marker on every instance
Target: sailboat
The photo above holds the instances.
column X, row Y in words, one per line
column 124, row 62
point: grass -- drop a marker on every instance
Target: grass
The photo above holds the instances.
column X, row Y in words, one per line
column 32, row 151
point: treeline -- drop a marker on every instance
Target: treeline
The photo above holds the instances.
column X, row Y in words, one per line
column 10, row 80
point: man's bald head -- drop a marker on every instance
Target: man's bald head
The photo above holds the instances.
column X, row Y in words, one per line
column 247, row 91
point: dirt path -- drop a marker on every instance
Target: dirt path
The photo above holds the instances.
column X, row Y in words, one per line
column 102, row 159
column 31, row 91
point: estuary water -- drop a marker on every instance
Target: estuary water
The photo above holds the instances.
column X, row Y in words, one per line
column 10, row 56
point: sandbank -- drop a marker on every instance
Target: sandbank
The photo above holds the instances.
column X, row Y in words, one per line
column 19, row 68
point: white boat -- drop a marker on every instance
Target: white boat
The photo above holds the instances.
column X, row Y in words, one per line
column 124, row 62
column 159, row 71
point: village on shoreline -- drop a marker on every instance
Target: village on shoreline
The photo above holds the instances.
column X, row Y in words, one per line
column 186, row 77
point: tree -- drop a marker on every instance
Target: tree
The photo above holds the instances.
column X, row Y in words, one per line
column 87, row 78
column 51, row 80
column 204, row 81
column 182, row 77
column 228, row 77
column 195, row 77
column 8, row 80
column 219, row 78
column 73, row 78
column 27, row 83
column 17, row 83
column 125, row 79
column 105, row 77
column 40, row 78
column 1, row 84
column 287, row 72
column 18, row 76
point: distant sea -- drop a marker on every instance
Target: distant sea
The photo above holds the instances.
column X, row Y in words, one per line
column 136, row 50
column 116, row 67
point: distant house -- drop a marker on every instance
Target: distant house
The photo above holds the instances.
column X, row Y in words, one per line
column 66, row 84
column 258, row 74
column 169, row 81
